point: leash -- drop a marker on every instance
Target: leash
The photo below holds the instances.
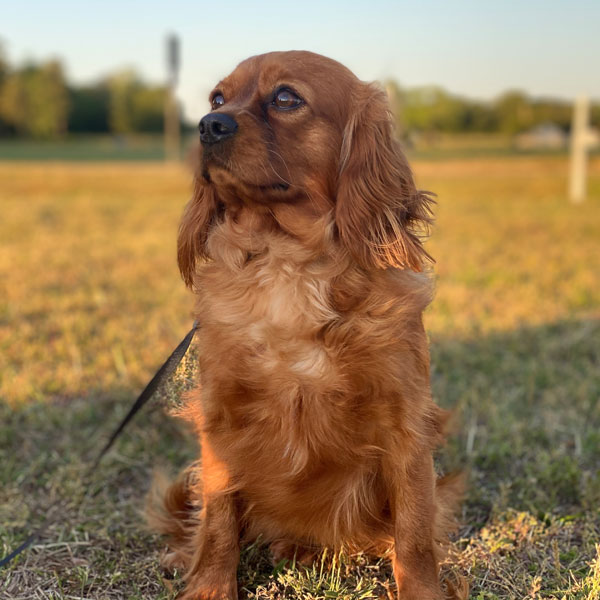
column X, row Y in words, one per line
column 163, row 373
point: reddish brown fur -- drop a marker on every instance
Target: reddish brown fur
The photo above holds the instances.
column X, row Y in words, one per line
column 314, row 412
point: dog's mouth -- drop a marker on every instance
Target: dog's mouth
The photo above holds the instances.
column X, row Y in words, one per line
column 279, row 186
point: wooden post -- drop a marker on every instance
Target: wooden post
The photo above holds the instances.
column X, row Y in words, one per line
column 581, row 140
column 392, row 94
column 172, row 126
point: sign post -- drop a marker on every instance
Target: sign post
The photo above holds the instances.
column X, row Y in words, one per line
column 172, row 124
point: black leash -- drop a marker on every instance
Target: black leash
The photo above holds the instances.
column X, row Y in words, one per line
column 165, row 371
column 22, row 547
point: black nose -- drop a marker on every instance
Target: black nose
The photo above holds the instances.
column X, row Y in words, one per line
column 216, row 127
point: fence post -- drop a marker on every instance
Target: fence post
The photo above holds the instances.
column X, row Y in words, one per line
column 581, row 140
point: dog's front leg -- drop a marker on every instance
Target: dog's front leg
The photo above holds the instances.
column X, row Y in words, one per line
column 212, row 574
column 415, row 559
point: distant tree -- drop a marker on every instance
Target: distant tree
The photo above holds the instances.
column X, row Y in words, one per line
column 148, row 109
column 514, row 112
column 431, row 108
column 89, row 109
column 479, row 116
column 134, row 106
column 4, row 66
column 552, row 111
column 121, row 89
column 5, row 127
column 13, row 107
column 34, row 100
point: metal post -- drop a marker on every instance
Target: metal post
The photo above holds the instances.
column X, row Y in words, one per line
column 172, row 126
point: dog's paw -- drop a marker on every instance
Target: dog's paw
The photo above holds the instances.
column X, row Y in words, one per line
column 208, row 593
column 171, row 561
column 202, row 588
column 292, row 551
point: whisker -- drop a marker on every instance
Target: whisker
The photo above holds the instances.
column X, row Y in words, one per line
column 278, row 155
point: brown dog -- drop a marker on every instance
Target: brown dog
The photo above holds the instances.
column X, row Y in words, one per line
column 314, row 413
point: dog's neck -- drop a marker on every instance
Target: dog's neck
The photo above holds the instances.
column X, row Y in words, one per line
column 296, row 232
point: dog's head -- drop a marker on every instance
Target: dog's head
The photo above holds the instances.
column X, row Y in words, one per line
column 299, row 129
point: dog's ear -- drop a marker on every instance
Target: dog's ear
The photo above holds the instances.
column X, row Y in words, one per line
column 380, row 215
column 196, row 221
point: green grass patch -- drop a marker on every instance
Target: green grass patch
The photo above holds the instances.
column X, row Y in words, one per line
column 86, row 148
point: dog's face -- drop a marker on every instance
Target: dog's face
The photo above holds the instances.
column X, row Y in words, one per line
column 296, row 132
column 276, row 127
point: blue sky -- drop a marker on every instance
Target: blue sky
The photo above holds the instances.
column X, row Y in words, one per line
column 476, row 48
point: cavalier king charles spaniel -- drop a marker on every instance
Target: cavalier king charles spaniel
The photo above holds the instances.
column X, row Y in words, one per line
column 303, row 244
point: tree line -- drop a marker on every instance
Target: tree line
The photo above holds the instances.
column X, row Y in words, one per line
column 430, row 109
column 37, row 101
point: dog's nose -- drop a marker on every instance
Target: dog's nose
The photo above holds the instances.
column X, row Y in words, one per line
column 216, row 127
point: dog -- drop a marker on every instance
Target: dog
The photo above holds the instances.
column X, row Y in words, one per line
column 303, row 244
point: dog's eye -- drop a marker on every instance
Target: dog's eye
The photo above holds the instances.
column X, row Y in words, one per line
column 285, row 98
column 217, row 100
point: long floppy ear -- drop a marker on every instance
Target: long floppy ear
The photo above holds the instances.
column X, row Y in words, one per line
column 380, row 215
column 196, row 221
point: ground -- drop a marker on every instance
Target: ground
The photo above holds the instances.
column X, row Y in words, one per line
column 91, row 303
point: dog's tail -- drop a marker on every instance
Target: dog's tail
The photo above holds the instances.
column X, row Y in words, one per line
column 172, row 509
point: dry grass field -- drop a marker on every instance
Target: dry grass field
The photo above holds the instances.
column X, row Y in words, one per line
column 91, row 303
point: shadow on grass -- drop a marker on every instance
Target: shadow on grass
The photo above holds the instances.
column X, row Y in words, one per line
column 527, row 429
column 527, row 414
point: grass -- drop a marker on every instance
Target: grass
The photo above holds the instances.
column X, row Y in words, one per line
column 144, row 147
column 139, row 147
column 91, row 303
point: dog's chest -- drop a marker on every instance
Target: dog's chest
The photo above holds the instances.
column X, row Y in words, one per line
column 277, row 397
column 272, row 312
